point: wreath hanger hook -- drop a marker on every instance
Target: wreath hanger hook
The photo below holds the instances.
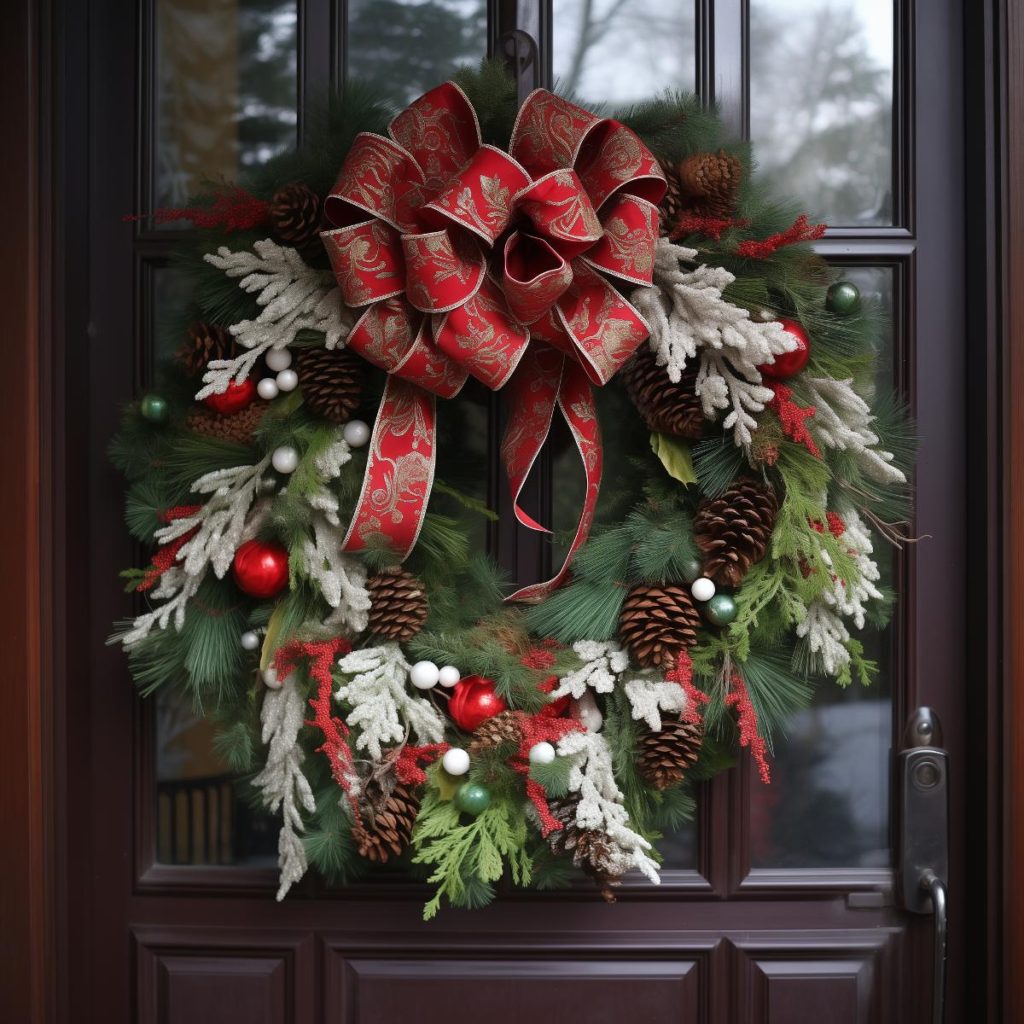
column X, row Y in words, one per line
column 519, row 49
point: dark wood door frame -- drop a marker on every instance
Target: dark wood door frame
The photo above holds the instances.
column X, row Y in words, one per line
column 44, row 115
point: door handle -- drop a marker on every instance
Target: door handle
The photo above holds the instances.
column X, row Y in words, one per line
column 923, row 863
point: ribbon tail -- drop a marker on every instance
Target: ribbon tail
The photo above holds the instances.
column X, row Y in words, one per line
column 399, row 471
column 528, row 430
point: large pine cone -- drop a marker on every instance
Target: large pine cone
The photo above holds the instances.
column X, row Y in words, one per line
column 387, row 813
column 711, row 183
column 657, row 622
column 492, row 732
column 398, row 605
column 591, row 849
column 331, row 382
column 236, row 428
column 202, row 343
column 666, row 756
column 295, row 215
column 733, row 530
column 672, row 206
column 665, row 407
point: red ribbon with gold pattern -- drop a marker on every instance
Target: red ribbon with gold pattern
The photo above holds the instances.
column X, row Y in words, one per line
column 464, row 257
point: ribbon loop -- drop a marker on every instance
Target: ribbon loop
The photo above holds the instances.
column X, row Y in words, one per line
column 416, row 221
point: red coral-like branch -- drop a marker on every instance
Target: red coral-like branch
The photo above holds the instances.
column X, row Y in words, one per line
column 683, row 675
column 321, row 654
column 540, row 728
column 167, row 554
column 801, row 230
column 794, row 418
column 407, row 764
column 746, row 718
column 232, row 209
column 711, row 227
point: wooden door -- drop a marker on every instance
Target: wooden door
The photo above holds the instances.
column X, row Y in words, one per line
column 778, row 903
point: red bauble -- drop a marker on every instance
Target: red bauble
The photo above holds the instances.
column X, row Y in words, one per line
column 235, row 399
column 556, row 708
column 261, row 568
column 473, row 701
column 788, row 364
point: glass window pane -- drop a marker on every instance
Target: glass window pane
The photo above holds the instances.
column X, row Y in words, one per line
column 201, row 815
column 621, row 51
column 402, row 48
column 828, row 802
column 226, row 90
column 821, row 97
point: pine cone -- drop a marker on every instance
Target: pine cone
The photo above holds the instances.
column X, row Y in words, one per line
column 666, row 756
column 591, row 849
column 492, row 732
column 398, row 605
column 236, row 428
column 387, row 813
column 666, row 407
column 295, row 215
column 733, row 530
column 331, row 382
column 711, row 183
column 657, row 622
column 671, row 207
column 202, row 343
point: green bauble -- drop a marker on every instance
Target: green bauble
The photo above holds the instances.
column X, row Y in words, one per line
column 720, row 610
column 472, row 798
column 154, row 408
column 843, row 298
column 692, row 569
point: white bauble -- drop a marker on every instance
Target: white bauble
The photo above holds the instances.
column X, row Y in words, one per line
column 285, row 459
column 278, row 359
column 270, row 678
column 702, row 589
column 250, row 640
column 448, row 676
column 542, row 753
column 356, row 433
column 424, row 675
column 267, row 388
column 287, row 380
column 585, row 710
column 455, row 761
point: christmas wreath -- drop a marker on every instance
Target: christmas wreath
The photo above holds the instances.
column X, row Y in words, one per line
column 314, row 588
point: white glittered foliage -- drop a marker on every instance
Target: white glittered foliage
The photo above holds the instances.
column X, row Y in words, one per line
column 295, row 297
column 281, row 782
column 692, row 321
column 382, row 709
column 221, row 525
column 651, row 696
column 842, row 420
column 600, row 805
column 602, row 662
column 340, row 577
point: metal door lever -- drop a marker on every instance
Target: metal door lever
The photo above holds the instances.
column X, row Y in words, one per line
column 924, row 835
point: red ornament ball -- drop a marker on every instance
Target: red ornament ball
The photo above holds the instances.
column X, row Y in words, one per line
column 261, row 568
column 556, row 708
column 473, row 701
column 788, row 364
column 235, row 399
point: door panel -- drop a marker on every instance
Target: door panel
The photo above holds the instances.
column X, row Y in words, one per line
column 776, row 903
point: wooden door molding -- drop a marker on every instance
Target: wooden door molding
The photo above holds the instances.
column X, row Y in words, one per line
column 26, row 903
column 1006, row 890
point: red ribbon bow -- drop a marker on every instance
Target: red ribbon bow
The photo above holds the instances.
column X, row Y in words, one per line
column 463, row 254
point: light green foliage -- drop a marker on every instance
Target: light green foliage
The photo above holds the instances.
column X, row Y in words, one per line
column 464, row 852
